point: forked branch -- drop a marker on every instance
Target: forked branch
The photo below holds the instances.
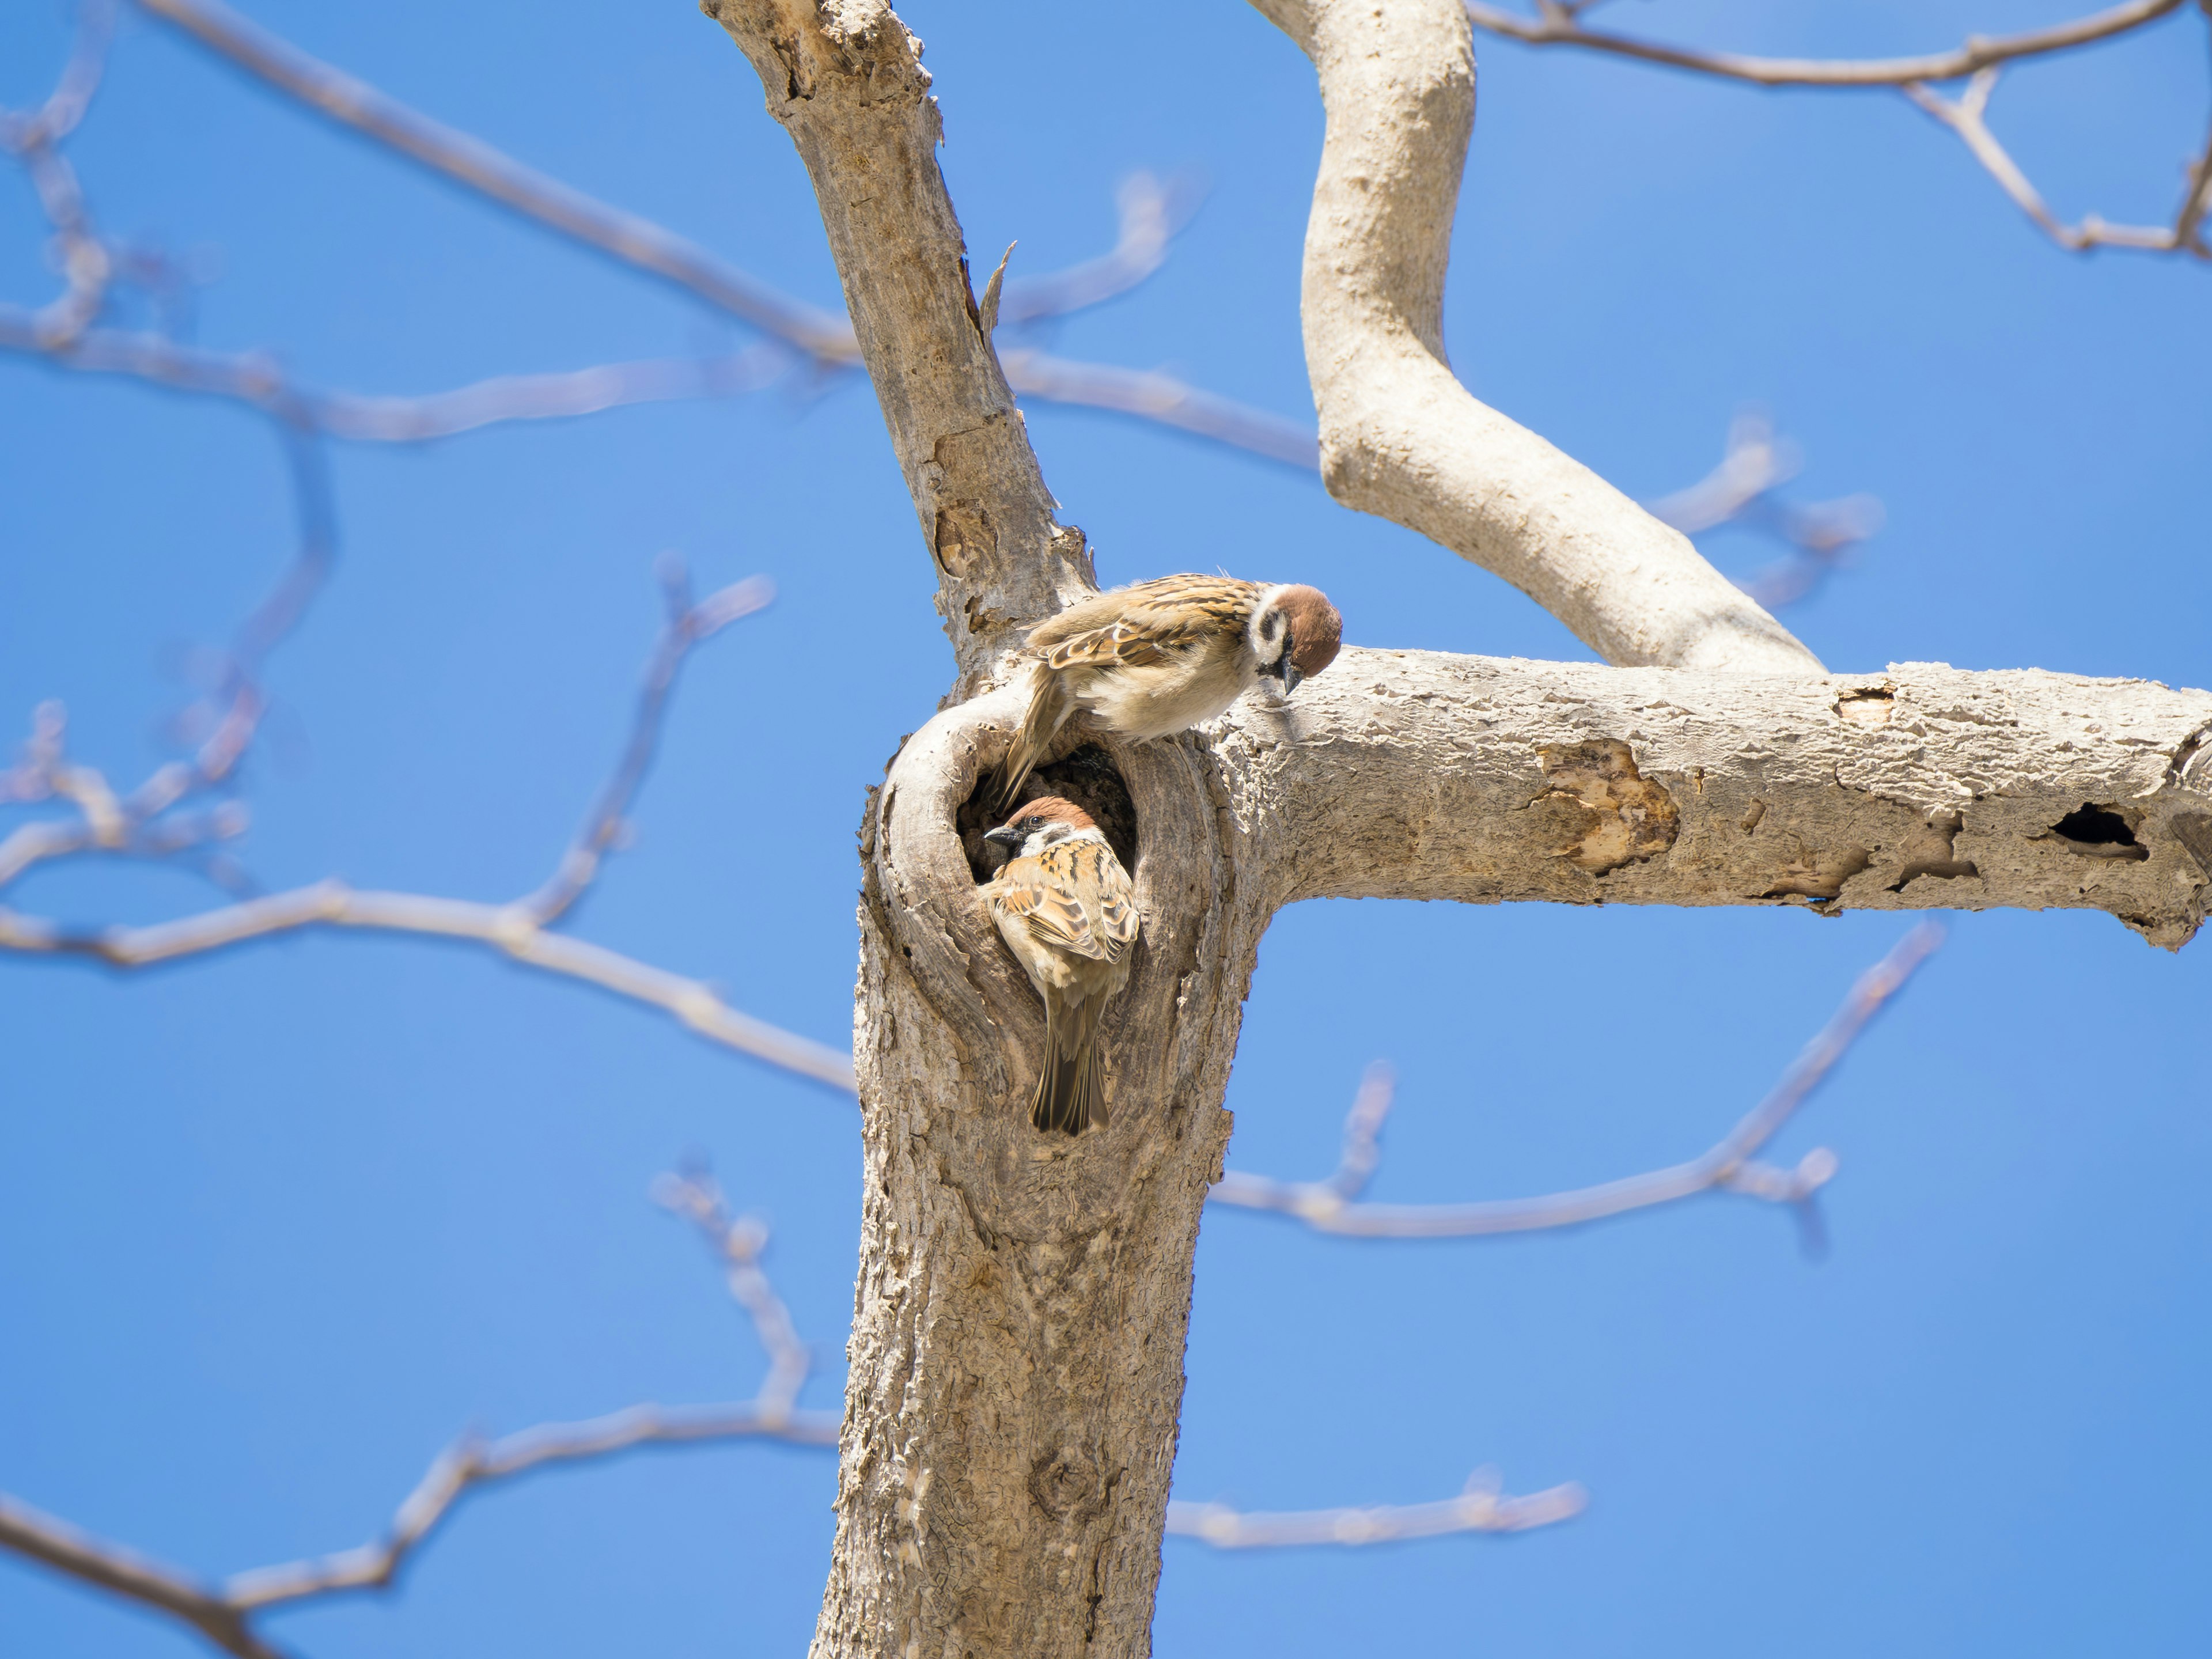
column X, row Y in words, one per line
column 225, row 1613
column 1332, row 1205
column 1557, row 25
column 1400, row 436
column 145, row 823
column 1980, row 58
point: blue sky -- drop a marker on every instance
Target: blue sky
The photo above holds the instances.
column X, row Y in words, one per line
column 276, row 1225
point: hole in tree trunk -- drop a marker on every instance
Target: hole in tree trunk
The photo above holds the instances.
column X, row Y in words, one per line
column 2098, row 832
column 1087, row 777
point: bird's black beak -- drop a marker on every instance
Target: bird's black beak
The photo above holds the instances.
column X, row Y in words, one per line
column 1291, row 677
column 1006, row 836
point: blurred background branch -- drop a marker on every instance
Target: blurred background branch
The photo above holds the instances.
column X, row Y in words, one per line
column 148, row 823
column 1481, row 1506
column 803, row 336
column 1332, row 1205
column 1740, row 491
column 1979, row 61
column 224, row 1613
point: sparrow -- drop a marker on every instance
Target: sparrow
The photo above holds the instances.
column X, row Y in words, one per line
column 1159, row 656
column 1066, row 910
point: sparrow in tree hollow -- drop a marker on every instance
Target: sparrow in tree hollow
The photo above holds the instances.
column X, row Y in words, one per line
column 1066, row 910
column 1162, row 655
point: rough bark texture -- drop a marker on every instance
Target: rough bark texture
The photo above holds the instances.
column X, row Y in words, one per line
column 1399, row 437
column 1017, row 1353
column 1410, row 774
column 1020, row 1320
column 845, row 79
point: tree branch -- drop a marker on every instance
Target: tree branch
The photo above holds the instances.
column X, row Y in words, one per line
column 1330, row 1205
column 224, row 1613
column 1401, row 437
column 1923, row 787
column 1482, row 1506
column 65, row 336
column 135, row 826
column 1982, row 58
column 1966, row 115
column 1557, row 27
column 477, row 166
column 846, row 82
column 1740, row 491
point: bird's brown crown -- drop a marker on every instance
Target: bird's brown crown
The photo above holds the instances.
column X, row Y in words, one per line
column 1051, row 809
column 1317, row 628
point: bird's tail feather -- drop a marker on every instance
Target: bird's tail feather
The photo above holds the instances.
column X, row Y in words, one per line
column 1071, row 1091
column 1048, row 710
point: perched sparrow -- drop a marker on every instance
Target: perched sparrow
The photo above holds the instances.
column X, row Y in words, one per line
column 1066, row 911
column 1165, row 654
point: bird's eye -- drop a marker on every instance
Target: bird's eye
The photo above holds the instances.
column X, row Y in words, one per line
column 1027, row 824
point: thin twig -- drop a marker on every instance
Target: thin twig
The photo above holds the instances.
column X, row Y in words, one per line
column 1330, row 1205
column 1152, row 210
column 1557, row 27
column 223, row 1614
column 1754, row 463
column 1481, row 1507
column 740, row 1242
column 689, row 624
column 1981, row 58
column 69, row 1550
column 1967, row 116
column 519, row 928
column 1150, row 213
column 467, row 160
column 1155, row 397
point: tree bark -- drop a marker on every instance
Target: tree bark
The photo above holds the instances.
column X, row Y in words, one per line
column 1412, row 774
column 1402, row 438
column 845, row 79
column 1023, row 1299
column 1019, row 1322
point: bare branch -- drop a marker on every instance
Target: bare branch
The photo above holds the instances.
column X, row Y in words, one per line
column 1966, row 115
column 1152, row 211
column 1328, row 1206
column 69, row 1550
column 470, row 161
column 507, row 928
column 1400, row 436
column 689, row 624
column 740, row 1242
column 134, row 826
column 1740, row 490
column 1156, row 396
column 847, row 84
column 1557, row 27
column 1481, row 1507
column 1981, row 58
column 1150, row 214
column 223, row 1614
column 56, row 118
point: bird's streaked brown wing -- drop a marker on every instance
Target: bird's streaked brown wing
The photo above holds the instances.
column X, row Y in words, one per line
column 1142, row 625
column 1074, row 898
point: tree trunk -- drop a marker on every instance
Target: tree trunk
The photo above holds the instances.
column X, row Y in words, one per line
column 1018, row 1333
